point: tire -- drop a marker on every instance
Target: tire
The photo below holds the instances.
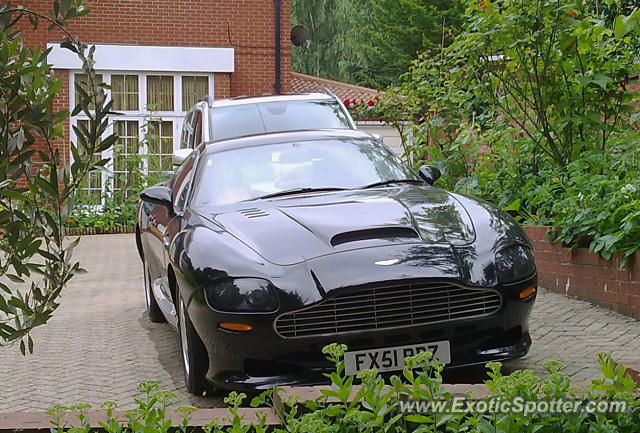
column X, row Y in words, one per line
column 195, row 360
column 153, row 309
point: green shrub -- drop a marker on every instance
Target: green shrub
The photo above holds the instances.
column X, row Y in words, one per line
column 36, row 183
column 375, row 405
column 529, row 109
column 594, row 203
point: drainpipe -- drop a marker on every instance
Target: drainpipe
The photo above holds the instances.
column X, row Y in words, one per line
column 278, row 83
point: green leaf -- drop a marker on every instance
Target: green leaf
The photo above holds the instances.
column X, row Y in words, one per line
column 14, row 278
column 619, row 27
column 602, row 80
column 45, row 185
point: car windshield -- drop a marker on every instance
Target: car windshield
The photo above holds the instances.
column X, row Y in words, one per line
column 276, row 116
column 249, row 173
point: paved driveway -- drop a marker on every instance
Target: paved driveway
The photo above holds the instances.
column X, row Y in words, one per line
column 99, row 344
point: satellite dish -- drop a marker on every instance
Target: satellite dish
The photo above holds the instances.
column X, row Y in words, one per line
column 300, row 36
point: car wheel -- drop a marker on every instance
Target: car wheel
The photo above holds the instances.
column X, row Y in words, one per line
column 195, row 360
column 155, row 314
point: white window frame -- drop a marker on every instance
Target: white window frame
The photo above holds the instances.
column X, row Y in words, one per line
column 141, row 115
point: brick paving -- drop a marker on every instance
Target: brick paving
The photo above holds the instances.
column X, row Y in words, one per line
column 99, row 345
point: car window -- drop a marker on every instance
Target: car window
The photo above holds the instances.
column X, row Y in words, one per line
column 180, row 183
column 299, row 115
column 247, row 173
column 187, row 131
column 276, row 116
column 197, row 128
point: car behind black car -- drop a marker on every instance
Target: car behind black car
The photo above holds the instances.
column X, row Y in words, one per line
column 263, row 249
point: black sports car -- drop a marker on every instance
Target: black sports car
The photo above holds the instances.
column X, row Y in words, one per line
column 263, row 249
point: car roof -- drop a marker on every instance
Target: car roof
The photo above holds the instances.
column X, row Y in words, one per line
column 286, row 137
column 242, row 100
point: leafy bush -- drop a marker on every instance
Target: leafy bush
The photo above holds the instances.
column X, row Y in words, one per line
column 529, row 109
column 111, row 214
column 594, row 203
column 375, row 406
column 36, row 183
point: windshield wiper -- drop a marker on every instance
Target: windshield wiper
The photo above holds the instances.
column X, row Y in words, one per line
column 297, row 191
column 389, row 182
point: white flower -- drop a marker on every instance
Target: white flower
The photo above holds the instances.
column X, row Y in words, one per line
column 628, row 188
column 580, row 196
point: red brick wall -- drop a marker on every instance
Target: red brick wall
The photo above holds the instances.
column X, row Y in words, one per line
column 585, row 275
column 222, row 87
column 246, row 25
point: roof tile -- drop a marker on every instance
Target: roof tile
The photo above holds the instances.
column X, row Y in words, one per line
column 301, row 83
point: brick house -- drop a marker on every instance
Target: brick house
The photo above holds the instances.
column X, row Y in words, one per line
column 160, row 56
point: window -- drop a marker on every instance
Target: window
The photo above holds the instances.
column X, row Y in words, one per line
column 197, row 129
column 187, row 131
column 160, row 147
column 258, row 118
column 125, row 168
column 151, row 109
column 194, row 88
column 234, row 175
column 124, row 91
column 82, row 80
column 180, row 188
column 160, row 93
column 91, row 187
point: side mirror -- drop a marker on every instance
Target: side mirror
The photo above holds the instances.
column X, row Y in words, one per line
column 158, row 194
column 180, row 155
column 377, row 137
column 429, row 174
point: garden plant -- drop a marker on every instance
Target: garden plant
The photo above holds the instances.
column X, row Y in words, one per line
column 375, row 404
column 532, row 107
column 37, row 180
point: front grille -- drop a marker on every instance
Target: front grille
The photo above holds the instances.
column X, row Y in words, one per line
column 389, row 307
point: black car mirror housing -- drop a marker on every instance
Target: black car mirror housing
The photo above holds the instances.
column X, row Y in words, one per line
column 429, row 174
column 159, row 195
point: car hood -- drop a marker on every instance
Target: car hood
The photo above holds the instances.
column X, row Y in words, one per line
column 292, row 229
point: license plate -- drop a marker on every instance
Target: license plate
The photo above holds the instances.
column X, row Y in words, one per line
column 392, row 358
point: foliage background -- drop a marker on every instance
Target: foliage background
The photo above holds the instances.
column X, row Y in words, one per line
column 531, row 107
column 370, row 42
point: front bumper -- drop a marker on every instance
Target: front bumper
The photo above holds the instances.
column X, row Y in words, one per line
column 262, row 359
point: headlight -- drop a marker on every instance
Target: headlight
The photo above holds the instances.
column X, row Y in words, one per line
column 515, row 264
column 242, row 295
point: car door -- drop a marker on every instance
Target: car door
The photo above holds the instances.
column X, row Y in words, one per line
column 154, row 223
column 180, row 189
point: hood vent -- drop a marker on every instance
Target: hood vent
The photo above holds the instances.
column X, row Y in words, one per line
column 253, row 212
column 377, row 233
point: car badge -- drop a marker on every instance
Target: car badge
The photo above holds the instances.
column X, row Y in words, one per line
column 386, row 262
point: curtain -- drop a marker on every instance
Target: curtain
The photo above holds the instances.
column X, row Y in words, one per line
column 124, row 91
column 193, row 89
column 159, row 93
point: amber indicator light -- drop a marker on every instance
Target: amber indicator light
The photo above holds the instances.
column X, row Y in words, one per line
column 235, row 327
column 527, row 292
